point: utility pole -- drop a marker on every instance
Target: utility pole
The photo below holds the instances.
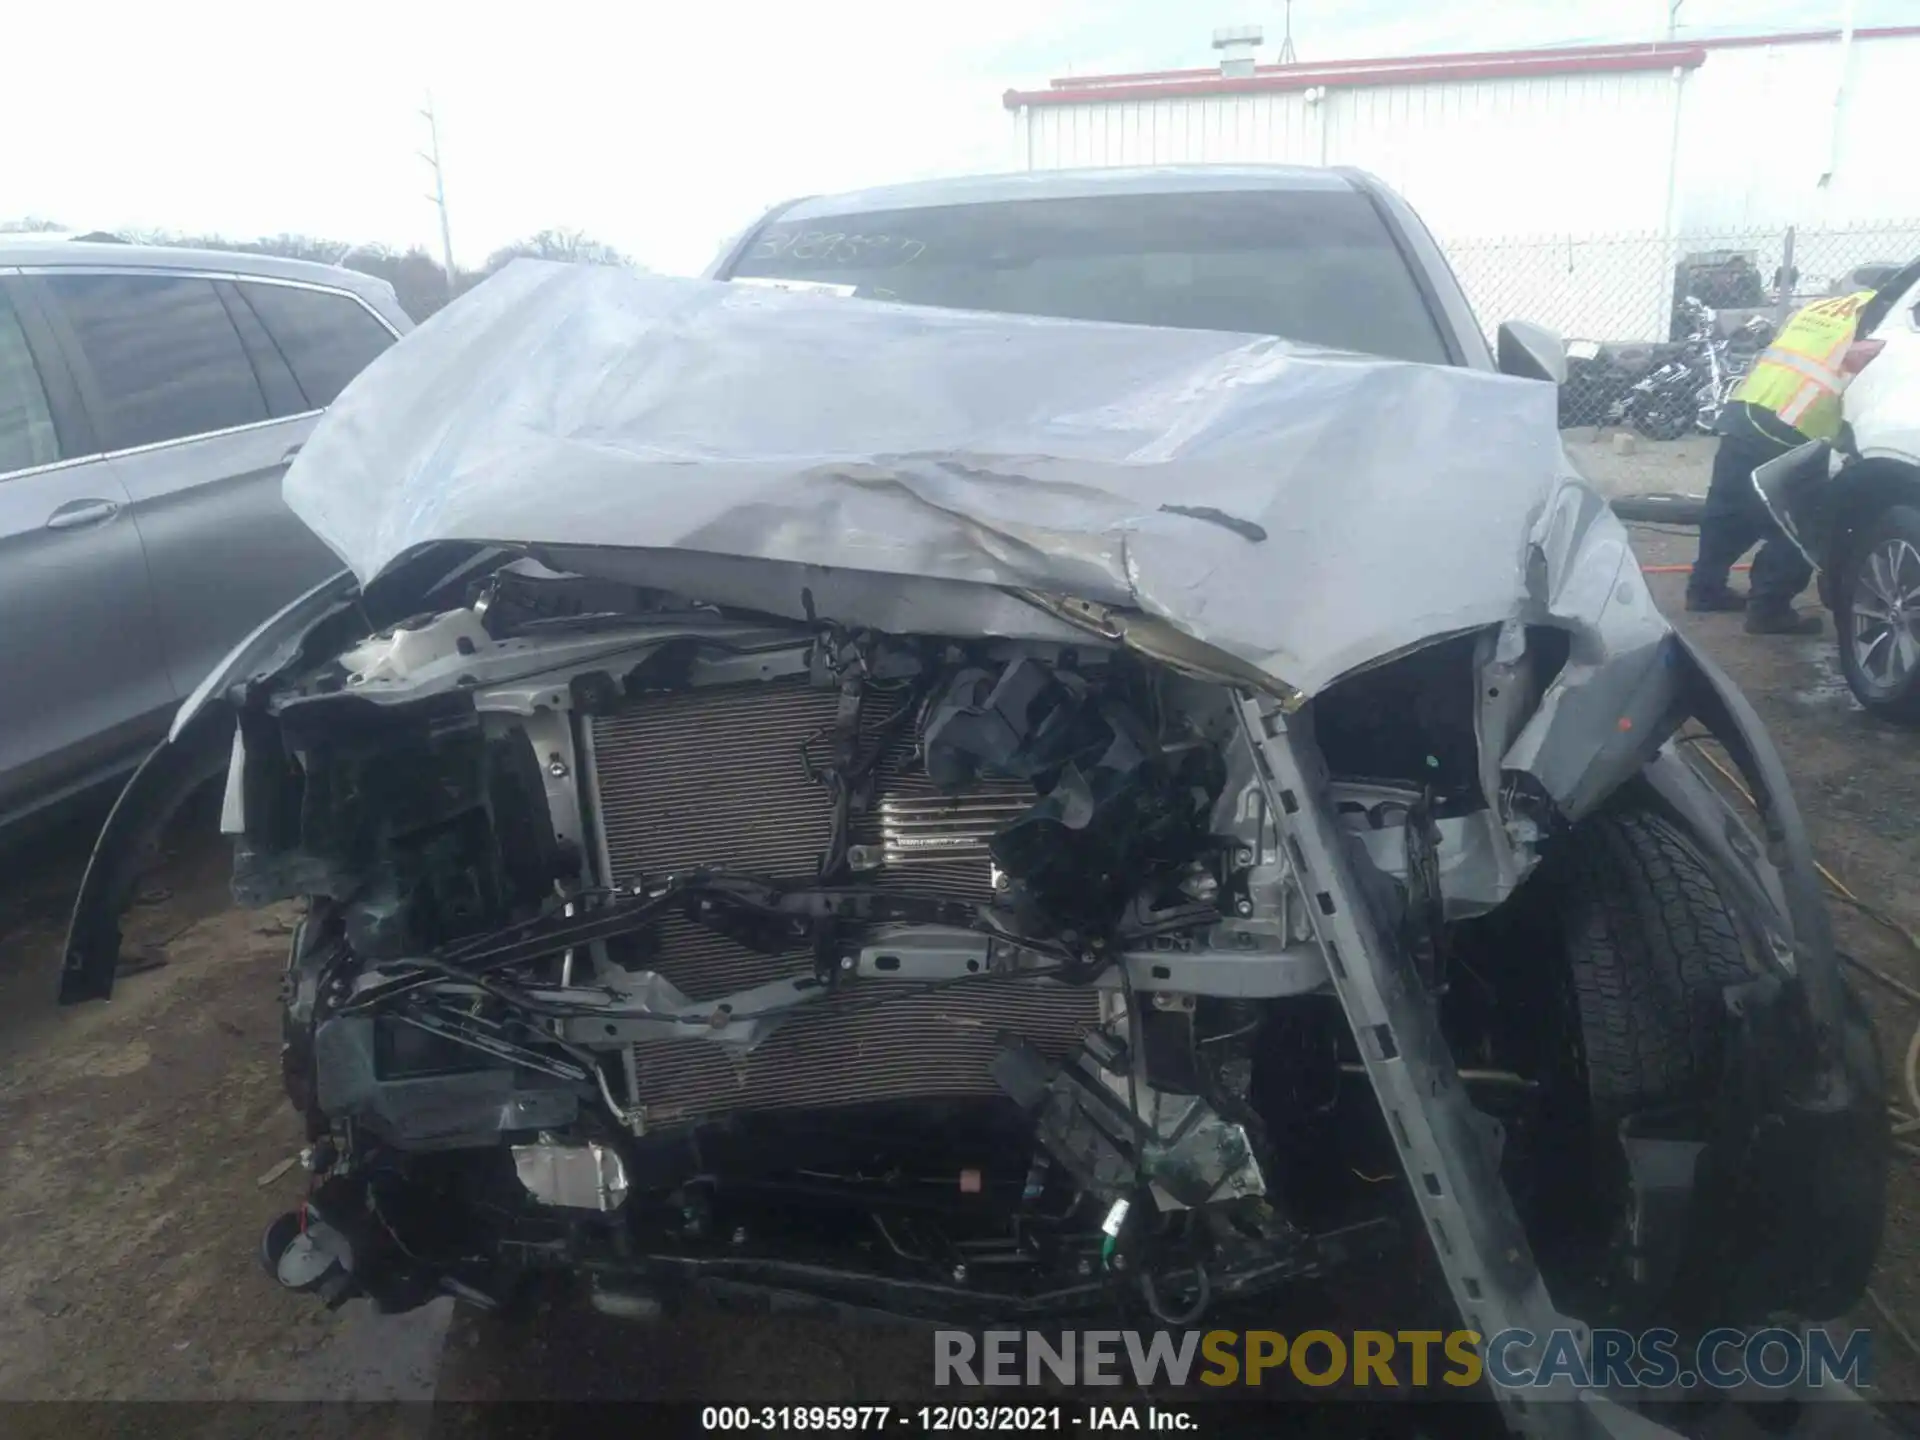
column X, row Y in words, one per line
column 1672, row 215
column 439, row 197
column 1837, row 122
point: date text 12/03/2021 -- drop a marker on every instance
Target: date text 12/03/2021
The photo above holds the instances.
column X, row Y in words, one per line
column 944, row 1419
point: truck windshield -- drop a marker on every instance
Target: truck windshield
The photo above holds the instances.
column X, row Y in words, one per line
column 1314, row 266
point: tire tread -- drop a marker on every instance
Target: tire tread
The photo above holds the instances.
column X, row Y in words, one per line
column 1651, row 944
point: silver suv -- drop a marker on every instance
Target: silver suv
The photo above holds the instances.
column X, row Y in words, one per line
column 150, row 400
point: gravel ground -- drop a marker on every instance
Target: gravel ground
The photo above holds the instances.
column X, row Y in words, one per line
column 142, row 1137
column 1618, row 462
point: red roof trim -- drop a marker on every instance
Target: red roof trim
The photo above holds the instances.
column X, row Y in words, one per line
column 1400, row 62
column 1662, row 57
column 1458, row 65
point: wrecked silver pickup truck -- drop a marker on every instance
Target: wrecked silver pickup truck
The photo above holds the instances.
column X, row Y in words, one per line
column 970, row 816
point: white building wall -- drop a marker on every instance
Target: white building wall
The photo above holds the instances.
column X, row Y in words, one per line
column 1756, row 137
column 1482, row 161
column 1489, row 163
column 1551, row 194
column 1736, row 170
column 1567, row 154
column 1493, row 158
column 1272, row 128
column 1479, row 158
column 1879, row 173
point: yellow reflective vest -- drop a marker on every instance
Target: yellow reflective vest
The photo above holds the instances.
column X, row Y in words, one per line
column 1798, row 376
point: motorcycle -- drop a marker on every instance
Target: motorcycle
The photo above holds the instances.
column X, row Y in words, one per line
column 1743, row 348
column 1688, row 391
column 1600, row 380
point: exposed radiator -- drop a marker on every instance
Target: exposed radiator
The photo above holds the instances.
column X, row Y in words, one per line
column 716, row 778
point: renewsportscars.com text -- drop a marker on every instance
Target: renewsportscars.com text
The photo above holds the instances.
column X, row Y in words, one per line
column 1389, row 1359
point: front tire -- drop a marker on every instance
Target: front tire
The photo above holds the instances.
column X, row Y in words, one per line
column 1877, row 613
column 1632, row 1023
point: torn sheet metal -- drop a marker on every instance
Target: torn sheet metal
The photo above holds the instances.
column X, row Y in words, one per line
column 1304, row 511
column 1613, row 702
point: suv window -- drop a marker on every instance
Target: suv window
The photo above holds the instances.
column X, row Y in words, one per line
column 166, row 358
column 1316, row 266
column 26, row 425
column 325, row 338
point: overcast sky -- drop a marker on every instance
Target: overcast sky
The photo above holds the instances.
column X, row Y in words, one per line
column 656, row 127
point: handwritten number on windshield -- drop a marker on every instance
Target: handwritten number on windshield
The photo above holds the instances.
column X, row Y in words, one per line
column 830, row 247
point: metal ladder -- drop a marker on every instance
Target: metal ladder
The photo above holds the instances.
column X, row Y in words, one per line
column 1449, row 1149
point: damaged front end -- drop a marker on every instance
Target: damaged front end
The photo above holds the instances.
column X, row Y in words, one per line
column 1011, row 918
column 971, row 979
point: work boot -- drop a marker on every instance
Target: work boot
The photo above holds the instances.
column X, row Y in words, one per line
column 1779, row 619
column 1720, row 598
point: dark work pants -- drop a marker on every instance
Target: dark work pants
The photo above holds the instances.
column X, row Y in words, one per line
column 1733, row 519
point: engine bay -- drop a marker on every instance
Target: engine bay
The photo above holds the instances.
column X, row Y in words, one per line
column 657, row 938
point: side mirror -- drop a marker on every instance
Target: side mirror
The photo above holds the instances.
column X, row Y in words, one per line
column 1531, row 352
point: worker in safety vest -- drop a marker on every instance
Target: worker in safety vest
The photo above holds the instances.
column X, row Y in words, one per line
column 1791, row 396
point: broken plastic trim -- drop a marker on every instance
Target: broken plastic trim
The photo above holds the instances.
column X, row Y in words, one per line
column 1798, row 491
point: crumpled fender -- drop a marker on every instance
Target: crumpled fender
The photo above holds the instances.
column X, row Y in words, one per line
column 1781, row 857
column 1781, row 1211
column 200, row 742
column 196, row 748
column 179, row 765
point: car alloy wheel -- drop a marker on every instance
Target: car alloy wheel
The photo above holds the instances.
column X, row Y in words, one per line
column 1886, row 615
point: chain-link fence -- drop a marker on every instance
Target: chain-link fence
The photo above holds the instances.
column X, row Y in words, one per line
column 1639, row 354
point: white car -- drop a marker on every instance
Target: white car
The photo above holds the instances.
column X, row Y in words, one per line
column 1854, row 507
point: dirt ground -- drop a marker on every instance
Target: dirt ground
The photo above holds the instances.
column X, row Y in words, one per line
column 143, row 1138
column 1618, row 462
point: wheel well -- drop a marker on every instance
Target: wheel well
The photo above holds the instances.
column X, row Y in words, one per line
column 1868, row 487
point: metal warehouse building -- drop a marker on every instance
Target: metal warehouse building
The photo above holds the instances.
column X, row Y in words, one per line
column 1565, row 183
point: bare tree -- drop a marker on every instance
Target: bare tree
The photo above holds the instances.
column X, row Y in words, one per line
column 29, row 225
column 573, row 246
column 418, row 280
column 292, row 246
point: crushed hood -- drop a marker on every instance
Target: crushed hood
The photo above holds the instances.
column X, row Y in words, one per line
column 1305, row 511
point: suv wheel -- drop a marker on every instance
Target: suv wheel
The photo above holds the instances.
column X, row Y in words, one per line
column 1878, row 615
column 1617, row 1012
